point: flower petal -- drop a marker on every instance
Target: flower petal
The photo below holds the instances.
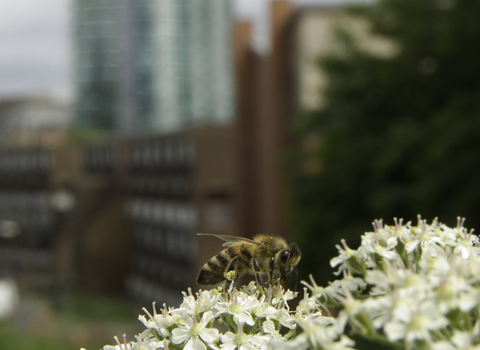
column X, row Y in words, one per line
column 179, row 335
column 245, row 317
column 195, row 344
column 209, row 335
column 395, row 331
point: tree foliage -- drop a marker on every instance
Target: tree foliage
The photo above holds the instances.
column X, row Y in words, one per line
column 398, row 135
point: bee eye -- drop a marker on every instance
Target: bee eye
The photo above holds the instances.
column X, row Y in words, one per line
column 284, row 256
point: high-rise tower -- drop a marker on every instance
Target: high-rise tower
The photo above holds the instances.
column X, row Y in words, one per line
column 156, row 65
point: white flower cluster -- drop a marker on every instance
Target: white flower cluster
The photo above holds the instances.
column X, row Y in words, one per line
column 250, row 319
column 410, row 287
column 413, row 287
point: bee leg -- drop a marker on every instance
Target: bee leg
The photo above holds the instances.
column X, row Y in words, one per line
column 228, row 285
column 296, row 278
column 231, row 268
column 285, row 281
column 272, row 261
column 257, row 269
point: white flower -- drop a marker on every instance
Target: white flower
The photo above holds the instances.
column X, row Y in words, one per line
column 435, row 263
column 379, row 280
column 463, row 249
column 323, row 296
column 125, row 345
column 456, row 293
column 414, row 323
column 344, row 343
column 240, row 306
column 399, row 232
column 193, row 332
column 281, row 297
column 474, row 269
column 160, row 322
column 307, row 305
column 269, row 329
column 242, row 341
column 464, row 340
column 318, row 332
column 314, row 288
column 128, row 346
column 378, row 309
column 345, row 254
column 465, row 245
column 269, row 312
column 424, row 239
column 190, row 306
column 459, row 340
column 385, row 251
column 351, row 283
column 406, row 285
column 250, row 288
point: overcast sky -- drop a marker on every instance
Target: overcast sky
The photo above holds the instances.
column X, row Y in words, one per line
column 34, row 47
column 35, row 44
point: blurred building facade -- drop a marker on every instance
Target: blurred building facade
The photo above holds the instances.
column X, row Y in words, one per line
column 272, row 91
column 153, row 65
column 265, row 111
column 27, row 221
column 32, row 121
column 139, row 198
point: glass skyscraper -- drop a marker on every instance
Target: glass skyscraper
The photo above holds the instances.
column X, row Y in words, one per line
column 153, row 65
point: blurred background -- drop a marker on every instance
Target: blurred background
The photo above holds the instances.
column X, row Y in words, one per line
column 126, row 127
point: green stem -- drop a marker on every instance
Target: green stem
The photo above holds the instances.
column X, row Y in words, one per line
column 438, row 335
column 468, row 320
column 231, row 324
column 175, row 346
column 447, row 332
column 257, row 324
column 156, row 334
column 228, row 320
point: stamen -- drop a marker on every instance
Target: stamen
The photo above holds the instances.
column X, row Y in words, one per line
column 139, row 340
column 435, row 223
column 154, row 308
column 380, row 224
column 469, row 234
column 398, row 223
column 148, row 313
column 340, row 249
column 460, row 222
column 118, row 342
column 377, row 225
column 424, row 226
column 313, row 281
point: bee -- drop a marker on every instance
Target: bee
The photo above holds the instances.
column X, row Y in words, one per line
column 264, row 254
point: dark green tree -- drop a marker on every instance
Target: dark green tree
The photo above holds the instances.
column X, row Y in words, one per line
column 399, row 135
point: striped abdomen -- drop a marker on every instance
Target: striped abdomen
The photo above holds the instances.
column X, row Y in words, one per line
column 213, row 272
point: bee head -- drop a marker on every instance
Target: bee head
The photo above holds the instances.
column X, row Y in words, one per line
column 287, row 260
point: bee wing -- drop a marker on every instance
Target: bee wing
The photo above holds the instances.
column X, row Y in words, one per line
column 231, row 239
